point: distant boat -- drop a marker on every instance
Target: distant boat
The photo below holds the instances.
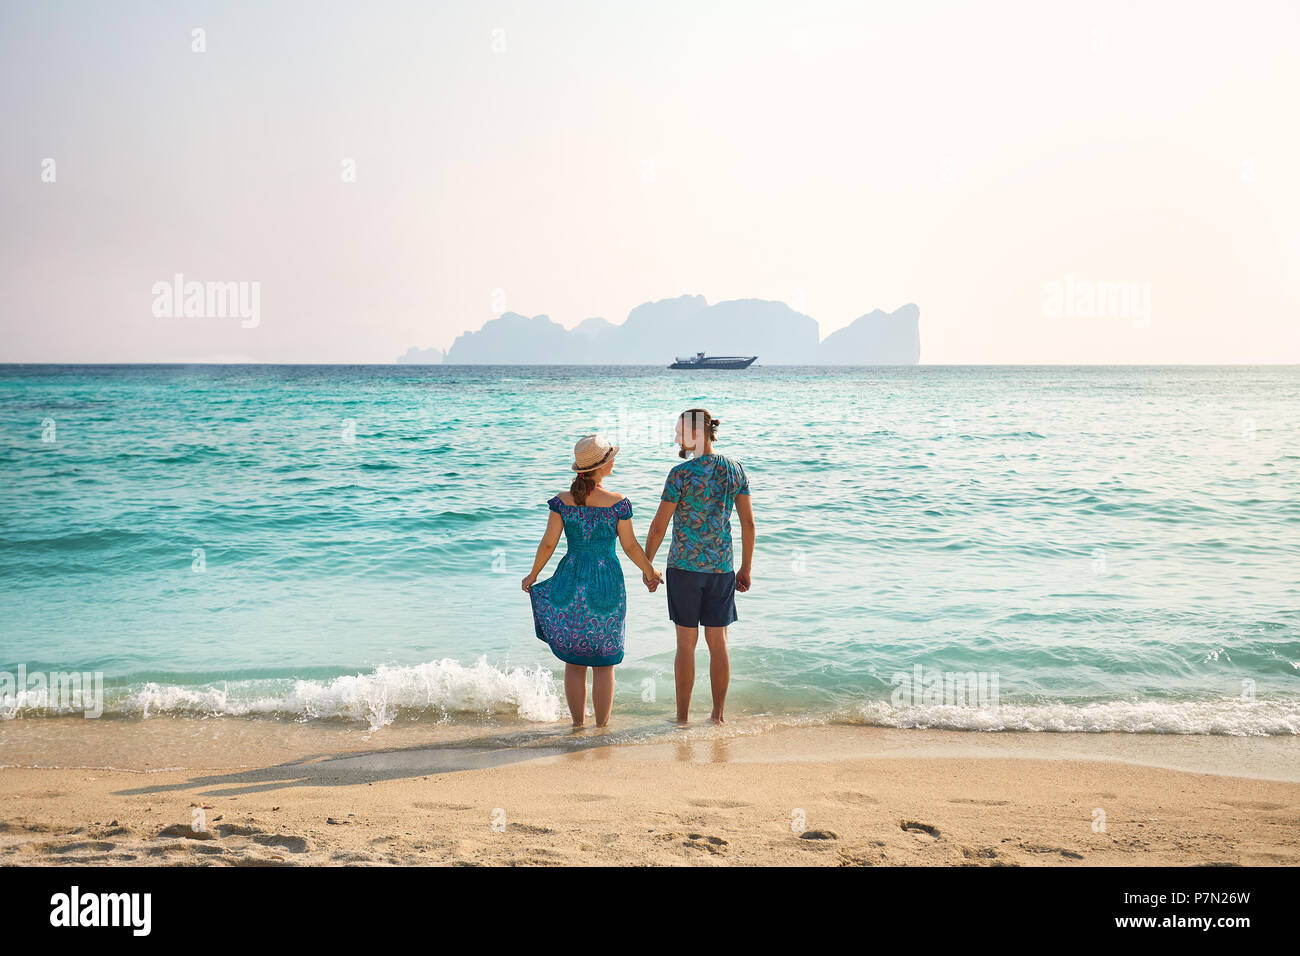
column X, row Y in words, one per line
column 715, row 361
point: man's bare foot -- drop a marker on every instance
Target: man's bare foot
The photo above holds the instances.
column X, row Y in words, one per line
column 717, row 718
column 682, row 719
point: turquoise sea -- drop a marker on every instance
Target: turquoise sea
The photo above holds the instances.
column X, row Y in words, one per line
column 1113, row 548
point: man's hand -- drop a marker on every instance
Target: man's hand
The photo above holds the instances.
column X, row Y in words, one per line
column 742, row 579
column 652, row 581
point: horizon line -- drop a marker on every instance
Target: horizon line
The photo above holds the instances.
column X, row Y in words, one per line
column 181, row 364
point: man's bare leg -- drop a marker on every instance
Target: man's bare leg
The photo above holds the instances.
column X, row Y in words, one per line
column 719, row 669
column 684, row 669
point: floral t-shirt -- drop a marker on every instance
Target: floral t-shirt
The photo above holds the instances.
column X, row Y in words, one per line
column 704, row 489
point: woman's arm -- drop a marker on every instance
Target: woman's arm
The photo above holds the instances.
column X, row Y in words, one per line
column 554, row 525
column 627, row 538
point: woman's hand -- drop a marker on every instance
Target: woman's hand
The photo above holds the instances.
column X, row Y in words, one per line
column 652, row 579
column 528, row 580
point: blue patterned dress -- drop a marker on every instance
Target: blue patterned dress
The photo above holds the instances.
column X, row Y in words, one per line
column 581, row 610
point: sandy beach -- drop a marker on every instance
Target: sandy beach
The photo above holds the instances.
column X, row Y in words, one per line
column 263, row 792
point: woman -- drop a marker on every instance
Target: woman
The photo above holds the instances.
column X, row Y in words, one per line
column 582, row 609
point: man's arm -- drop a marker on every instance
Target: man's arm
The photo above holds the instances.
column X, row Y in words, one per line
column 658, row 528
column 746, row 515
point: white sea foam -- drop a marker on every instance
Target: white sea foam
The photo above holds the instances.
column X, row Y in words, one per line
column 437, row 688
column 1232, row 717
column 446, row 689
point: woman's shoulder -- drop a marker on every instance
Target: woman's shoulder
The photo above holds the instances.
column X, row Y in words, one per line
column 566, row 498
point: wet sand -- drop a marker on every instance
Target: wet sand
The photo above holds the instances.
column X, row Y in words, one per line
column 231, row 791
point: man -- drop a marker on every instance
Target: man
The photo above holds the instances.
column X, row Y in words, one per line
column 698, row 497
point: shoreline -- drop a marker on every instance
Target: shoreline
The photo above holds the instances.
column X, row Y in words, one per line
column 271, row 793
column 177, row 743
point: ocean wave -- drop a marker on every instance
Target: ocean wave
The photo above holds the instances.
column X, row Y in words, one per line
column 436, row 688
column 1227, row 717
column 98, row 539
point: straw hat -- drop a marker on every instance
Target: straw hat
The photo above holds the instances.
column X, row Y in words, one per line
column 592, row 451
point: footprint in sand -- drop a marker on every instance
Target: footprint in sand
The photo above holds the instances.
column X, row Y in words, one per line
column 971, row 801
column 911, row 826
column 696, row 841
column 26, row 827
column 701, row 841
column 165, row 848
column 1252, row 805
column 861, row 858
column 285, row 841
column 719, row 804
column 234, row 829
column 855, row 798
column 1040, row 848
column 282, row 841
column 819, row 835
column 98, row 846
column 342, row 856
column 185, row 832
column 528, row 828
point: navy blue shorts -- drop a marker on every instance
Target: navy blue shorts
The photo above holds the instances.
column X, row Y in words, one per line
column 701, row 597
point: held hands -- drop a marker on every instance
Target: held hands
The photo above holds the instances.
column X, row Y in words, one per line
column 652, row 579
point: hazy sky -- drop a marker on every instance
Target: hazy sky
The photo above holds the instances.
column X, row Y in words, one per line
column 584, row 157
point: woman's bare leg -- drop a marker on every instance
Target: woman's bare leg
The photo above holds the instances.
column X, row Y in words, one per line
column 602, row 693
column 684, row 669
column 575, row 692
column 719, row 668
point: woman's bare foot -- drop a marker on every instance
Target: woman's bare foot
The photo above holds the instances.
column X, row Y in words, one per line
column 717, row 718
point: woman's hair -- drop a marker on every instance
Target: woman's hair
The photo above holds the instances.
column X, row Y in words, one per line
column 581, row 487
column 701, row 421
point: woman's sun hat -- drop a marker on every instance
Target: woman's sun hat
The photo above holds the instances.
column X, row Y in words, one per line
column 592, row 451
